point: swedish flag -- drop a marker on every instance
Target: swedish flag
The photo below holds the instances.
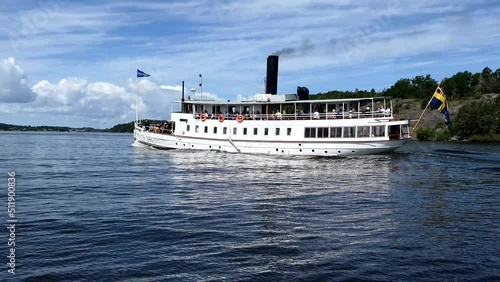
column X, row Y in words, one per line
column 439, row 102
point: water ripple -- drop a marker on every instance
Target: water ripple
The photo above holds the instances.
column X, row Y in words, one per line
column 94, row 207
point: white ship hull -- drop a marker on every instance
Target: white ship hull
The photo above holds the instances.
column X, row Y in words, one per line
column 237, row 144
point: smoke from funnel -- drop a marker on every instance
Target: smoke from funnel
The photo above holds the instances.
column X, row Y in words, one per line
column 302, row 50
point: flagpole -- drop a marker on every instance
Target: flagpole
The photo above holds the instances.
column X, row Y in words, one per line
column 422, row 115
column 136, row 94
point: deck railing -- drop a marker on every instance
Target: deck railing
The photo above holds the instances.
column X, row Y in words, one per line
column 306, row 116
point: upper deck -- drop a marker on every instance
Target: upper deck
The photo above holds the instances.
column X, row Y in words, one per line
column 289, row 107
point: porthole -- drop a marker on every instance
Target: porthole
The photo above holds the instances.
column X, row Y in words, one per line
column 313, row 151
column 339, row 152
column 326, row 152
column 277, row 149
column 300, row 150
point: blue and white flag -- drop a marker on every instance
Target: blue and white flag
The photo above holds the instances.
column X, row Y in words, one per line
column 142, row 74
column 439, row 102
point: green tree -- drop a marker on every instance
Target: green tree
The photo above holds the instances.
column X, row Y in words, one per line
column 403, row 88
column 497, row 73
column 497, row 81
column 488, row 81
column 424, row 86
column 459, row 86
column 478, row 118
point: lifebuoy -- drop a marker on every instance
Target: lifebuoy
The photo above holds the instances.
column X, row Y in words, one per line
column 240, row 118
column 203, row 117
column 220, row 117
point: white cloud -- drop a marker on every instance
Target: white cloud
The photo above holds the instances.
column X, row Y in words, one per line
column 13, row 83
column 177, row 88
column 98, row 104
column 92, row 102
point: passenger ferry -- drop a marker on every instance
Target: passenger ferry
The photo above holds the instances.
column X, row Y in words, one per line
column 287, row 124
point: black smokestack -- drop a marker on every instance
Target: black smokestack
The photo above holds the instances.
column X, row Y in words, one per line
column 182, row 98
column 272, row 75
column 303, row 93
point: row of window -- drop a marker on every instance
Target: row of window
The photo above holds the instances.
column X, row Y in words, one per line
column 277, row 131
column 310, row 132
column 344, row 132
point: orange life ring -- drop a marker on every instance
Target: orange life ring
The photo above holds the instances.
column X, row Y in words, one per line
column 240, row 118
column 203, row 117
column 220, row 117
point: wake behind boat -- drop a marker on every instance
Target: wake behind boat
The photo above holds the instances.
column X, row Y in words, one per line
column 285, row 124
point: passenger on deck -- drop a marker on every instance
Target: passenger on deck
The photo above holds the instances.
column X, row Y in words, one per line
column 381, row 111
column 278, row 115
column 316, row 115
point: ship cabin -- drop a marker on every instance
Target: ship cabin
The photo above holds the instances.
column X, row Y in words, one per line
column 289, row 107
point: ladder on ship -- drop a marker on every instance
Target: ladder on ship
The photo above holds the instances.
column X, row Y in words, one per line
column 232, row 143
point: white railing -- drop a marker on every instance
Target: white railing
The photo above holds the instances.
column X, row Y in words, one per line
column 305, row 116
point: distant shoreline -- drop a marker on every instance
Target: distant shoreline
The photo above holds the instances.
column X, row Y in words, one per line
column 119, row 128
column 45, row 128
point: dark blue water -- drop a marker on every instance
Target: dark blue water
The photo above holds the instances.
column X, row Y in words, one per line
column 93, row 207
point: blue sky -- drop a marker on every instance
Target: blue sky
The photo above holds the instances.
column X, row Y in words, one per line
column 73, row 63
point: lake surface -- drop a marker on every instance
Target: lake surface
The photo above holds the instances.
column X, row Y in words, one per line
column 97, row 207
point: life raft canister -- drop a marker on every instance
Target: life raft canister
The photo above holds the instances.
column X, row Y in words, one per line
column 220, row 117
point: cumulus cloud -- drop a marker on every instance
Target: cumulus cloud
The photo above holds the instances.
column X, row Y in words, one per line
column 173, row 88
column 95, row 102
column 156, row 101
column 74, row 100
column 13, row 83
